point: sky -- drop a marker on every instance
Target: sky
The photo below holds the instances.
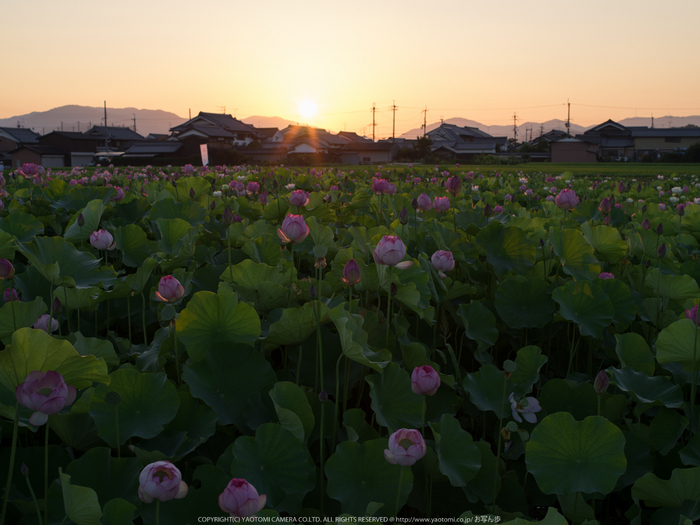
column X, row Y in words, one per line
column 328, row 63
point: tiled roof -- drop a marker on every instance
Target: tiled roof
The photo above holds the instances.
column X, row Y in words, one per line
column 21, row 135
column 114, row 132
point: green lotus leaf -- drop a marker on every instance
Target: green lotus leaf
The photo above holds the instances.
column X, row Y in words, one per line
column 639, row 459
column 676, row 344
column 479, row 323
column 109, row 477
column 319, row 235
column 524, row 303
column 192, row 426
column 634, row 352
column 487, row 392
column 118, row 511
column 132, row 211
column 77, row 428
column 459, row 457
column 265, row 249
column 80, row 503
column 231, row 379
column 586, row 304
column 480, row 488
column 18, row 314
column 263, row 285
column 188, row 210
column 606, row 242
column 565, row 455
column 393, row 402
column 293, row 409
column 690, row 454
column 353, row 340
column 507, row 248
column 79, row 196
column 678, row 288
column 142, row 403
column 133, row 244
column 33, row 458
column 558, row 395
column 665, row 429
column 552, row 518
column 357, row 427
column 100, row 348
column 575, row 254
column 277, row 465
column 175, row 234
column 62, row 263
column 210, row 318
column 32, row 350
column 358, row 475
column 647, row 389
column 135, row 283
column 22, row 226
column 621, row 298
column 295, row 325
column 276, row 210
column 645, row 243
column 529, row 360
column 684, row 485
column 92, row 213
column 7, row 246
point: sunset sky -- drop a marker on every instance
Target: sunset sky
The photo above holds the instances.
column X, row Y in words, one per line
column 460, row 58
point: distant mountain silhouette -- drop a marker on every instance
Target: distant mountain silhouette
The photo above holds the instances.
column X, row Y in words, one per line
column 81, row 118
column 268, row 122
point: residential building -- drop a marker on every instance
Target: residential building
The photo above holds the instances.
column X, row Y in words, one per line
column 13, row 138
column 464, row 143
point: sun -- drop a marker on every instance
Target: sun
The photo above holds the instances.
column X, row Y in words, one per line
column 307, row 109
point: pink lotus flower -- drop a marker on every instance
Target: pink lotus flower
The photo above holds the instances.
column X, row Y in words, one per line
column 119, row 196
column 299, row 198
column 294, row 229
column 43, row 323
column 240, row 499
column 188, row 168
column 406, row 446
column 162, row 481
column 425, row 380
column 606, row 275
column 7, row 270
column 443, row 262
column 527, row 409
column 423, row 202
column 169, row 289
column 253, row 187
column 453, row 185
column 389, row 252
column 567, row 199
column 10, row 294
column 605, row 206
column 441, row 204
column 380, row 186
column 102, row 240
column 498, row 208
column 46, row 393
column 692, row 314
column 601, row 383
column 351, row 273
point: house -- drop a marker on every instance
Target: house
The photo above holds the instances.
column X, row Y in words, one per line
column 363, row 152
column 78, row 148
column 13, row 138
column 114, row 137
column 217, row 130
column 571, row 150
column 152, row 149
column 46, row 156
column 464, row 143
column 614, row 141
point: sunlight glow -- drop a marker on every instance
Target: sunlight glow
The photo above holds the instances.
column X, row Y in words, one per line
column 307, row 109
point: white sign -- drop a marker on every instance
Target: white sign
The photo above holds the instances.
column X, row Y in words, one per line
column 203, row 148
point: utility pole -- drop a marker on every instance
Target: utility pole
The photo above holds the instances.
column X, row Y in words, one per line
column 393, row 129
column 541, row 129
column 652, row 121
column 134, row 114
column 190, row 113
column 515, row 127
column 425, row 120
column 568, row 118
column 374, row 110
column 105, row 113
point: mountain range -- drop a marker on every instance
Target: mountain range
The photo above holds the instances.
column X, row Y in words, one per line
column 81, row 118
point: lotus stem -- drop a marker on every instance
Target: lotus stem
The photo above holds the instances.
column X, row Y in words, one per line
column 46, row 475
column 398, row 493
column 299, row 365
column 693, row 377
column 177, row 355
column 11, row 466
column 143, row 318
column 500, row 435
column 128, row 315
column 36, row 503
column 388, row 312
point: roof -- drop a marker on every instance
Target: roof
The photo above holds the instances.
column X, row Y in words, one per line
column 153, row 148
column 208, row 131
column 267, row 132
column 114, row 132
column 666, row 132
column 72, row 135
column 224, row 121
column 20, row 135
column 41, row 149
column 352, row 136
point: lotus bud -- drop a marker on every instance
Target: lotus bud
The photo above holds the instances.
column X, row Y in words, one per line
column 81, row 220
column 403, row 216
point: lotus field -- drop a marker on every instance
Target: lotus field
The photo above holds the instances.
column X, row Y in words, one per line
column 186, row 345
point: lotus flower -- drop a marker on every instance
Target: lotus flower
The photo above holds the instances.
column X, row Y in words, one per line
column 406, row 446
column 425, row 380
column 527, row 407
column 389, row 252
column 102, row 240
column 169, row 289
column 299, row 198
column 423, row 202
column 443, row 262
column 351, row 273
column 567, row 199
column 240, row 499
column 441, row 204
column 294, row 229
column 46, row 393
column 43, row 324
column 7, row 270
column 162, row 481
